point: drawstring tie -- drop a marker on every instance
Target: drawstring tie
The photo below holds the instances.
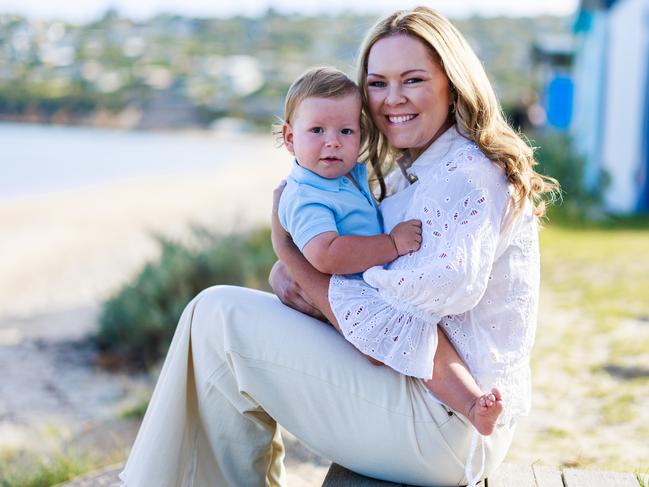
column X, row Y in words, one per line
column 468, row 467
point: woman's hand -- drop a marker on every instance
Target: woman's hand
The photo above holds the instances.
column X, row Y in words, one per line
column 282, row 241
column 289, row 292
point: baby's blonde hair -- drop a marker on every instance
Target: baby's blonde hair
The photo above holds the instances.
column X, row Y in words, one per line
column 475, row 109
column 318, row 82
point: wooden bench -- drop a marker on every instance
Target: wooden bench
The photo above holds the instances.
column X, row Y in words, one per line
column 508, row 475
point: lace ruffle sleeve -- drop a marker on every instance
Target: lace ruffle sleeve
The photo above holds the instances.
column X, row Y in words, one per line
column 392, row 314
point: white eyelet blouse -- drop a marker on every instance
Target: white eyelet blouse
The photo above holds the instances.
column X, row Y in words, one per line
column 476, row 275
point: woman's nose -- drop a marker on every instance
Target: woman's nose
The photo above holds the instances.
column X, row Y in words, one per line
column 394, row 96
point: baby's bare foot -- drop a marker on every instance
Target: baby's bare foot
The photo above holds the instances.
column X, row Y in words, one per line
column 485, row 412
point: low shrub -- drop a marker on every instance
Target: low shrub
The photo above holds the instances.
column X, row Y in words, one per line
column 557, row 159
column 138, row 322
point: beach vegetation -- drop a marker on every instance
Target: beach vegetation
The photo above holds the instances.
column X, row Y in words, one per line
column 557, row 158
column 136, row 411
column 29, row 470
column 138, row 322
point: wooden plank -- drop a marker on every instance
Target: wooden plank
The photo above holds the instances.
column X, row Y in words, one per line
column 338, row 476
column 512, row 475
column 547, row 476
column 595, row 478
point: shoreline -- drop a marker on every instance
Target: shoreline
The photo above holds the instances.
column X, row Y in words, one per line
column 73, row 248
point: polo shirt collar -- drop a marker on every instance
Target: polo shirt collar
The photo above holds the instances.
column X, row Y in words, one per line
column 305, row 176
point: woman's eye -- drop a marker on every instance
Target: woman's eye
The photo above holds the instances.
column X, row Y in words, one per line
column 317, row 130
column 376, row 84
column 347, row 131
column 412, row 81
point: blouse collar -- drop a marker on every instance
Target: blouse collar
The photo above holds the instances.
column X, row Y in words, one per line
column 433, row 154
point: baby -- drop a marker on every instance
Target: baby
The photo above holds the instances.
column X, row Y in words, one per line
column 327, row 206
column 331, row 214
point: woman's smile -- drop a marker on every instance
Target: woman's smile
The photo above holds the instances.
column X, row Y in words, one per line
column 408, row 92
column 400, row 119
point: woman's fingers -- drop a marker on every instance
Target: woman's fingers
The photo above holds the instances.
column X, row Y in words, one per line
column 279, row 236
column 277, row 193
column 301, row 304
column 294, row 298
column 289, row 292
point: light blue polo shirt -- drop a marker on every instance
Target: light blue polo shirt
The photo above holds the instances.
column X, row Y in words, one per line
column 311, row 205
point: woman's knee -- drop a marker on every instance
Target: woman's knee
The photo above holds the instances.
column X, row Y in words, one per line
column 217, row 297
column 217, row 308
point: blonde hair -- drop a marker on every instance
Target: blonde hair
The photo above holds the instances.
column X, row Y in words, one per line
column 318, row 82
column 475, row 109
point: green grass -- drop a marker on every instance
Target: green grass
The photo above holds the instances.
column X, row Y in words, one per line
column 600, row 268
column 135, row 412
column 591, row 358
column 556, row 433
column 619, row 409
column 29, row 470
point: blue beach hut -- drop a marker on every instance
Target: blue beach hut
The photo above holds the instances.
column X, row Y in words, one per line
column 610, row 121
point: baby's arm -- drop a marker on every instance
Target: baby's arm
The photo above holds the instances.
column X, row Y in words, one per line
column 331, row 253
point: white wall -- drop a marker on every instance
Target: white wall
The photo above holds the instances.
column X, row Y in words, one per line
column 589, row 74
column 624, row 107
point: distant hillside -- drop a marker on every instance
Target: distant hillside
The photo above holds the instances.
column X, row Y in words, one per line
column 210, row 68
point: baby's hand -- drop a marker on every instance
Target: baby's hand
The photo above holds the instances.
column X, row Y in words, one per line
column 407, row 236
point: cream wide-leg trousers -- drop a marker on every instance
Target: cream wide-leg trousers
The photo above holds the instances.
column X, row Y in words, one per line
column 241, row 362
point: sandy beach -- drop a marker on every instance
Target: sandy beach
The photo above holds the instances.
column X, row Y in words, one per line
column 62, row 254
column 74, row 248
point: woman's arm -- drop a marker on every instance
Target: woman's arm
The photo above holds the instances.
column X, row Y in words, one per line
column 461, row 231
column 294, row 274
column 313, row 283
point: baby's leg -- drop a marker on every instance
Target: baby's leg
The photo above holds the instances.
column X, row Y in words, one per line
column 454, row 386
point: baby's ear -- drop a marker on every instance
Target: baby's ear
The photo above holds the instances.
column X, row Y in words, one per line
column 287, row 135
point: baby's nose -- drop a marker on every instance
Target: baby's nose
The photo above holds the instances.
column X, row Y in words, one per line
column 333, row 141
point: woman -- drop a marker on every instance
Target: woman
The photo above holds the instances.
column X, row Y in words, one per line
column 241, row 362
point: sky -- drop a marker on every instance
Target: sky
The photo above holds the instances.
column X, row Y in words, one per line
column 84, row 10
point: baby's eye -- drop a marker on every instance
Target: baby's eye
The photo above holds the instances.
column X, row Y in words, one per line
column 317, row 130
column 347, row 131
column 376, row 84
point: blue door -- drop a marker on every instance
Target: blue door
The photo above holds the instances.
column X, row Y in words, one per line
column 643, row 170
column 558, row 101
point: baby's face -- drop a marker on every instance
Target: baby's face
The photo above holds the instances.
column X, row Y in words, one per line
column 325, row 135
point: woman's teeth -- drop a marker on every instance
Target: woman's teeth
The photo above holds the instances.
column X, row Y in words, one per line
column 400, row 118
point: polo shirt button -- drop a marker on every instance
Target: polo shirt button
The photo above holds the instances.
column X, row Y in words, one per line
column 345, row 181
